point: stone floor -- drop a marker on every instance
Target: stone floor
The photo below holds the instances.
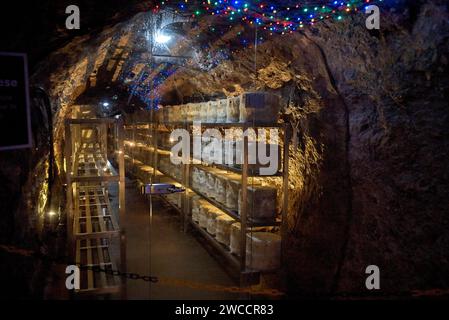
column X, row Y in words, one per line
column 167, row 251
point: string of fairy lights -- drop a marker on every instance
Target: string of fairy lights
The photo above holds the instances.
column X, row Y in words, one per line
column 275, row 16
column 269, row 17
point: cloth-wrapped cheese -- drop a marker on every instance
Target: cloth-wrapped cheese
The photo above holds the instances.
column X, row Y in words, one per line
column 234, row 244
column 187, row 112
column 233, row 110
column 261, row 203
column 196, row 182
column 221, row 110
column 199, row 180
column 223, row 230
column 233, row 185
column 263, row 251
column 195, row 110
column 204, row 213
column 212, row 220
column 212, row 107
column 203, row 111
column 210, row 184
column 197, row 203
column 220, row 187
column 177, row 113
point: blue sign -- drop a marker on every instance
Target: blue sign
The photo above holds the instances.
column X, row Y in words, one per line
column 15, row 122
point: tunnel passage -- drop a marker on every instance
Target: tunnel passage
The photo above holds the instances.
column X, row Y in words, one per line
column 368, row 169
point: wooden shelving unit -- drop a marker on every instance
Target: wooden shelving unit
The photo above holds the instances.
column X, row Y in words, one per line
column 92, row 221
column 146, row 133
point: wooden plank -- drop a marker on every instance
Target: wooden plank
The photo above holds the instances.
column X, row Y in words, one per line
column 88, row 223
column 101, row 222
column 102, row 264
column 90, row 275
column 77, row 216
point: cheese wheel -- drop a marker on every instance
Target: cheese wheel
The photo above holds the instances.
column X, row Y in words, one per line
column 223, row 229
column 263, row 251
column 233, row 110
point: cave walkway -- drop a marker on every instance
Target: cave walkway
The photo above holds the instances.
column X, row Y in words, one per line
column 164, row 250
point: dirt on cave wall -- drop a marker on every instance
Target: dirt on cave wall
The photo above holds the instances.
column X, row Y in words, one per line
column 369, row 170
column 369, row 177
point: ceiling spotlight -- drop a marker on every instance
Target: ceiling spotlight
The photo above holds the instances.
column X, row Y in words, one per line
column 162, row 38
column 51, row 213
column 105, row 104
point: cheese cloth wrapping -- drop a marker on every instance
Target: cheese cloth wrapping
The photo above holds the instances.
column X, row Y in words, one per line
column 263, row 251
column 197, row 203
column 229, row 146
column 233, row 110
column 201, row 181
column 187, row 111
column 212, row 107
column 206, row 147
column 261, row 202
column 234, row 243
column 195, row 110
column 210, row 184
column 221, row 110
column 220, row 186
column 223, row 229
column 196, row 178
column 176, row 113
column 233, row 185
column 203, row 111
column 204, row 214
column 212, row 216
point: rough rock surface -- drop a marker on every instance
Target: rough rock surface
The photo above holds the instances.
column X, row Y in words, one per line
column 369, row 168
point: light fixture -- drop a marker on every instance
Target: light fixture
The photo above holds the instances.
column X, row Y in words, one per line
column 161, row 38
column 51, row 213
column 105, row 104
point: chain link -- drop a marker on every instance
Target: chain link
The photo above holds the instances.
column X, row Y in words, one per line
column 192, row 284
column 147, row 278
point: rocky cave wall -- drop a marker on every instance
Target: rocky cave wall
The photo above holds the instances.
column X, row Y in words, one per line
column 369, row 173
column 368, row 167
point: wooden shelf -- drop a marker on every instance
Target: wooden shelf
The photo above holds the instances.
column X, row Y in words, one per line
column 93, row 214
column 237, row 263
column 95, row 253
column 91, row 222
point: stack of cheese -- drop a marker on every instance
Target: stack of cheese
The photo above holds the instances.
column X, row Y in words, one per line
column 257, row 107
column 263, row 249
column 223, row 230
column 212, row 216
column 261, row 203
column 203, row 215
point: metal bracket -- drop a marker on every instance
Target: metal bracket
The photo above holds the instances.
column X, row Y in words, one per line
column 160, row 188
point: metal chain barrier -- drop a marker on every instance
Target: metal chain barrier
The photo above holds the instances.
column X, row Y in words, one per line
column 147, row 278
column 437, row 292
